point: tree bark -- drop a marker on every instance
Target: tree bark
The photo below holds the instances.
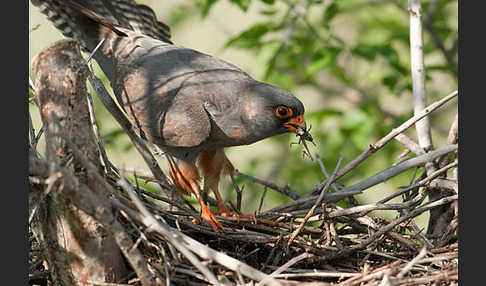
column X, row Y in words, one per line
column 78, row 250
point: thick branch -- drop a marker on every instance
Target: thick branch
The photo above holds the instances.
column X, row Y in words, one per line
column 418, row 73
column 75, row 243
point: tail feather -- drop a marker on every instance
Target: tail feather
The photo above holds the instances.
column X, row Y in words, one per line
column 138, row 18
column 78, row 19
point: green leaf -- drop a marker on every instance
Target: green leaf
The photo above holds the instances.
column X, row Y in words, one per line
column 243, row 4
column 269, row 11
column 353, row 119
column 319, row 64
column 322, row 114
column 330, row 12
column 268, row 2
column 250, row 37
column 326, row 58
column 207, row 6
column 390, row 81
column 365, row 51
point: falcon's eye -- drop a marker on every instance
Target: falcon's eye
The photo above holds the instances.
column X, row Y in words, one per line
column 283, row 112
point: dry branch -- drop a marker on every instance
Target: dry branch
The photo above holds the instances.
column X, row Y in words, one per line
column 367, row 183
column 74, row 237
column 139, row 144
column 185, row 243
column 418, row 73
column 380, row 143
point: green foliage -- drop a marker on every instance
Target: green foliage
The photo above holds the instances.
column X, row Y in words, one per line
column 306, row 44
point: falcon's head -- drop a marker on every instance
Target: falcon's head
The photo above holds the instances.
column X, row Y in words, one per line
column 272, row 110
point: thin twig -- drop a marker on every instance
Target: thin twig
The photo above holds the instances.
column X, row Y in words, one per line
column 359, row 187
column 284, row 267
column 239, row 192
column 421, row 182
column 412, row 262
column 187, row 242
column 261, row 200
column 380, row 143
column 285, row 190
column 317, row 203
column 401, row 219
column 151, row 223
column 101, row 146
column 409, row 144
column 127, row 127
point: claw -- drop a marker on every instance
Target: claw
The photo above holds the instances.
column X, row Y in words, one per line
column 224, row 211
column 212, row 220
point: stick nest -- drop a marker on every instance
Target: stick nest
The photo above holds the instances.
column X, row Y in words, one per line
column 334, row 247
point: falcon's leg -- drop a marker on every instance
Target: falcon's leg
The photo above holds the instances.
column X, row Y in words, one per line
column 186, row 177
column 212, row 164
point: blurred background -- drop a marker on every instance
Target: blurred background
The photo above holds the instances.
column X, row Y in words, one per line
column 347, row 60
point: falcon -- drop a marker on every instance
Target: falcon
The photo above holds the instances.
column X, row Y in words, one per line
column 189, row 104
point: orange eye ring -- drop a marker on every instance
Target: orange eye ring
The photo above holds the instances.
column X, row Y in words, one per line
column 283, row 112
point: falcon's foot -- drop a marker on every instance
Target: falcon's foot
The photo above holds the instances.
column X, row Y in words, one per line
column 224, row 211
column 208, row 216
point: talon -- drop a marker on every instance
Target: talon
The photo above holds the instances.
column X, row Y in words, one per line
column 224, row 211
column 212, row 220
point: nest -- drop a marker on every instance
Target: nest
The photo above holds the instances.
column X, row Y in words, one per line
column 335, row 247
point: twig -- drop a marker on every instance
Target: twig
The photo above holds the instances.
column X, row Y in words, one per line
column 127, row 126
column 321, row 274
column 317, row 203
column 32, row 85
column 412, row 262
column 367, row 183
column 99, row 140
column 152, row 224
column 261, row 200
column 401, row 219
column 437, row 258
column 324, row 171
column 409, row 144
column 380, row 143
column 452, row 138
column 239, row 192
column 421, row 182
column 284, row 267
column 376, row 206
column 444, row 184
column 386, row 278
column 189, row 243
column 285, row 190
column 418, row 77
column 94, row 50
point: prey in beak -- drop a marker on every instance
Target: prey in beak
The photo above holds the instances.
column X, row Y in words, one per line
column 298, row 126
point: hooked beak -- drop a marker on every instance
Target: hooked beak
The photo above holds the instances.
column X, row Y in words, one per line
column 296, row 125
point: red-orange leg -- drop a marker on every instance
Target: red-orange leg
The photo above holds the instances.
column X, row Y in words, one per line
column 212, row 164
column 186, row 177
